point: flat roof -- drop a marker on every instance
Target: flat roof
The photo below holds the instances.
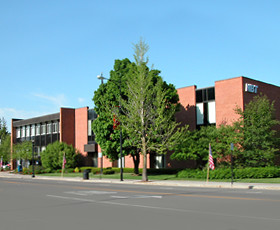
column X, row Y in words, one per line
column 35, row 120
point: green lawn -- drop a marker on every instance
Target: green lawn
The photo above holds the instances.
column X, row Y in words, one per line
column 160, row 177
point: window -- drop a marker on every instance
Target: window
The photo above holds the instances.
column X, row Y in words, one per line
column 199, row 114
column 204, row 95
column 89, row 128
column 27, row 131
column 199, row 96
column 49, row 128
column 33, row 130
column 211, row 112
column 211, row 94
column 43, row 129
column 18, row 132
column 54, row 127
column 38, row 130
column 22, row 131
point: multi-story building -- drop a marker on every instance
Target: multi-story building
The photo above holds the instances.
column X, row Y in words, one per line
column 216, row 105
column 212, row 105
column 72, row 126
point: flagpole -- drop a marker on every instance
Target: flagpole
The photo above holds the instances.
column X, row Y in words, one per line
column 62, row 164
column 207, row 180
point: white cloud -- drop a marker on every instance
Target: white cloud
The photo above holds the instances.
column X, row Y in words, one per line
column 9, row 113
column 58, row 101
column 81, row 100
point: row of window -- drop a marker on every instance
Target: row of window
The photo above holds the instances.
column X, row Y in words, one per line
column 37, row 129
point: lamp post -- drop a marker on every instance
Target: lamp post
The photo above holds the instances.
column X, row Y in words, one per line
column 100, row 77
column 33, row 169
column 231, row 161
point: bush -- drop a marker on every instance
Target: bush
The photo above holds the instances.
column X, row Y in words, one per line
column 225, row 173
column 108, row 171
column 52, row 157
column 91, row 169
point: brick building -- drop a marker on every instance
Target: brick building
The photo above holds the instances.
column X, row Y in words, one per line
column 199, row 107
column 72, row 126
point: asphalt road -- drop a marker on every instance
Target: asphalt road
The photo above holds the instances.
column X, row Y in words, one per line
column 41, row 204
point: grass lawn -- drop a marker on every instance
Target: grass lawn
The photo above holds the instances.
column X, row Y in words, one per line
column 130, row 176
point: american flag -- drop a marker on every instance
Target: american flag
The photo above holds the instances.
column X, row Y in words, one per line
column 211, row 161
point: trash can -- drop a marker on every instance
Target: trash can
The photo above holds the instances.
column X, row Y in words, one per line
column 19, row 168
column 86, row 174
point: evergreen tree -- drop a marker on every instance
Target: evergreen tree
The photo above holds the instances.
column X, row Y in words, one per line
column 5, row 141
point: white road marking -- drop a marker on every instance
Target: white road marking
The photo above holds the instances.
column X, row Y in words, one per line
column 164, row 208
column 136, row 197
column 89, row 193
column 120, row 197
column 142, row 196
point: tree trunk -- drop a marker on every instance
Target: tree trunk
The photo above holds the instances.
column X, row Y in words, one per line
column 144, row 152
column 136, row 161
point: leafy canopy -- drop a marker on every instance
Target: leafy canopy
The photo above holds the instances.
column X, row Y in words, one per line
column 52, row 157
column 107, row 100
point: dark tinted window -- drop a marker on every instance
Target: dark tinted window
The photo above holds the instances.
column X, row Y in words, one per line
column 211, row 94
column 204, row 95
column 199, row 96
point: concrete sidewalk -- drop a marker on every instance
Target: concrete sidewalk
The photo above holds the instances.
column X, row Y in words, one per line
column 182, row 183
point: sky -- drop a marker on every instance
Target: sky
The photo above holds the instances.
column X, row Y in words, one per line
column 52, row 51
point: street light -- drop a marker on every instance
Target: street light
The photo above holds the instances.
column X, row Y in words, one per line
column 33, row 169
column 100, row 77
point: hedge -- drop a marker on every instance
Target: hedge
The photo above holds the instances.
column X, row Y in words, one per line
column 225, row 173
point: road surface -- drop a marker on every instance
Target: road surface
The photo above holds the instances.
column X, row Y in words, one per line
column 28, row 204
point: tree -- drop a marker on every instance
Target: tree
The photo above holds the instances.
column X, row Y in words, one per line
column 5, row 148
column 194, row 145
column 148, row 116
column 107, row 99
column 52, row 157
column 23, row 151
column 3, row 129
column 106, row 126
column 5, row 141
column 259, row 138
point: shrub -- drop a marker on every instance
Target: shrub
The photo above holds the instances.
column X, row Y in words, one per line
column 52, row 157
column 225, row 173
column 108, row 171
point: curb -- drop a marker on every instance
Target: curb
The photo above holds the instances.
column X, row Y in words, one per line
column 197, row 184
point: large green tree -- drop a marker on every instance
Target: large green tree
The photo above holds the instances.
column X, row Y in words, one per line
column 260, row 141
column 107, row 101
column 148, row 114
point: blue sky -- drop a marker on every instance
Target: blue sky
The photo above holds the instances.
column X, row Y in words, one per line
column 52, row 51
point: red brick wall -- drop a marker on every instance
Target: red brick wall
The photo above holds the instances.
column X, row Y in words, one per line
column 228, row 95
column 67, row 126
column 187, row 113
column 106, row 162
column 271, row 91
column 81, row 129
column 231, row 93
